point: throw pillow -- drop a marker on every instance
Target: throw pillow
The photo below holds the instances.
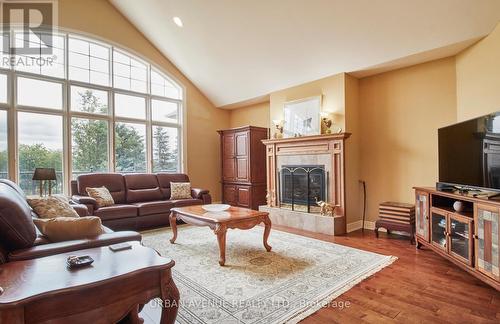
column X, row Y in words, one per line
column 52, row 206
column 180, row 190
column 69, row 228
column 101, row 195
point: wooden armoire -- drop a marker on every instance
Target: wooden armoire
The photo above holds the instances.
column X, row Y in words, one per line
column 244, row 166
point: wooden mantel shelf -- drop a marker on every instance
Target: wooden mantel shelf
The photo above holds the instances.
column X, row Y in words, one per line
column 340, row 136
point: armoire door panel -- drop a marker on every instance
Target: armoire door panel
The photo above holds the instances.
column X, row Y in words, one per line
column 229, row 169
column 242, row 169
column 228, row 145
column 241, row 144
column 244, row 197
column 230, row 196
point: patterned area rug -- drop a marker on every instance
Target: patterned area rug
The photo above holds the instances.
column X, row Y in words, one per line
column 298, row 277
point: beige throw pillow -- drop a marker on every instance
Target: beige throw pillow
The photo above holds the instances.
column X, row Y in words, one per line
column 180, row 190
column 101, row 195
column 52, row 206
column 69, row 228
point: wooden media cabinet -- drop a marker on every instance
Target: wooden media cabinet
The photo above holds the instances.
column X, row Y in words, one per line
column 470, row 238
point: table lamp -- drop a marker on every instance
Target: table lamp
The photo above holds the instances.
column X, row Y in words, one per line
column 45, row 174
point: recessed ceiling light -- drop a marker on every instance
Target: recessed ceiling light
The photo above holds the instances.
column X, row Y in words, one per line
column 178, row 21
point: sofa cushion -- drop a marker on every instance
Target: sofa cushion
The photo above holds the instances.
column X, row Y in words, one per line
column 180, row 190
column 116, row 212
column 52, row 206
column 101, row 195
column 186, row 202
column 114, row 182
column 164, row 180
column 142, row 187
column 69, row 228
column 17, row 230
column 154, row 207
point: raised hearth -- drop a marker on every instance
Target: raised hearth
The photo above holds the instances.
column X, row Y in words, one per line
column 301, row 171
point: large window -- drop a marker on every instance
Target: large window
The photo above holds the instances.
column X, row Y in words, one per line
column 40, row 145
column 4, row 157
column 95, row 108
column 130, row 147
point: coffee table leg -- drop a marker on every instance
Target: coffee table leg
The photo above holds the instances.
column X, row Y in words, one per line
column 170, row 298
column 220, row 231
column 173, row 225
column 267, row 231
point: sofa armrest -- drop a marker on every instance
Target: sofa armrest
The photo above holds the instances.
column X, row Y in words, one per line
column 81, row 210
column 84, row 200
column 43, row 250
column 197, row 192
column 87, row 201
column 202, row 194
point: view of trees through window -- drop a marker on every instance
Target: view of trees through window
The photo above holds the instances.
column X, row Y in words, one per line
column 40, row 145
column 93, row 128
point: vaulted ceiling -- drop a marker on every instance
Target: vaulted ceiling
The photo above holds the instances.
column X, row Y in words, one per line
column 237, row 50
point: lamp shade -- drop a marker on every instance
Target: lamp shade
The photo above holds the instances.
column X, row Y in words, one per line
column 44, row 174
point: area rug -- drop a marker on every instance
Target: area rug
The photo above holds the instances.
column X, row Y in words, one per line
column 298, row 277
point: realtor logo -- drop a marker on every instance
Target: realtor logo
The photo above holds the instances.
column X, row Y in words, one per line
column 29, row 25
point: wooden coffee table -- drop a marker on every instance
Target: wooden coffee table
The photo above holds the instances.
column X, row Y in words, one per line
column 112, row 288
column 219, row 222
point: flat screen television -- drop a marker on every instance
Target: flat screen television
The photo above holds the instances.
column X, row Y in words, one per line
column 469, row 154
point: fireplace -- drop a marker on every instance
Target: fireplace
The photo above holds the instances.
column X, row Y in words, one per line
column 321, row 157
column 301, row 186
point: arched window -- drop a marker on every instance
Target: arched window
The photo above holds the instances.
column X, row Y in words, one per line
column 87, row 107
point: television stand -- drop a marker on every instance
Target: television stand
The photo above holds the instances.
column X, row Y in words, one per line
column 469, row 237
column 466, row 191
column 486, row 194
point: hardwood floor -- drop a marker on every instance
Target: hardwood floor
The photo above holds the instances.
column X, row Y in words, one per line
column 420, row 287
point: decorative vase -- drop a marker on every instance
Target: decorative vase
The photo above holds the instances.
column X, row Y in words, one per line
column 459, row 206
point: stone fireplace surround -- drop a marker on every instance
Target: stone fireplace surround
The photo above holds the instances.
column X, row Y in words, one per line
column 325, row 150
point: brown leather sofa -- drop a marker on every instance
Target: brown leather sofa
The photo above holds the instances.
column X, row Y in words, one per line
column 21, row 240
column 142, row 200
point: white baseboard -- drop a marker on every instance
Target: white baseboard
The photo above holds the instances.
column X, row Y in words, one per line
column 369, row 225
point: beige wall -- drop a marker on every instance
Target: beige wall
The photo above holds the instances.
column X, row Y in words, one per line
column 478, row 78
column 100, row 18
column 254, row 115
column 331, row 89
column 353, row 151
column 401, row 111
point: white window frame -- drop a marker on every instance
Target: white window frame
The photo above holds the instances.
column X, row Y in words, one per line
column 67, row 114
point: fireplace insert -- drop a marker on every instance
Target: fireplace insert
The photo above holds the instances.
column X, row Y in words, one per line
column 301, row 186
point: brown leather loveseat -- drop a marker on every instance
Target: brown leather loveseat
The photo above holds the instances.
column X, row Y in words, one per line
column 142, row 200
column 21, row 240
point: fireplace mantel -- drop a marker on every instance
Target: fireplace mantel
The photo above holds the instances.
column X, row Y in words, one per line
column 332, row 145
column 340, row 136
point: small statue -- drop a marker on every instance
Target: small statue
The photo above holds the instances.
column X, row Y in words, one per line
column 327, row 125
column 279, row 128
column 326, row 208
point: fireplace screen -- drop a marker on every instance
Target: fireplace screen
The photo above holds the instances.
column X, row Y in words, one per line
column 301, row 186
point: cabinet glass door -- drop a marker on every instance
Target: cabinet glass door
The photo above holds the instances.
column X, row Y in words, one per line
column 487, row 240
column 460, row 238
column 422, row 215
column 438, row 230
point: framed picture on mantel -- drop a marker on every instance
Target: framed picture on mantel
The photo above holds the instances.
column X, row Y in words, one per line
column 302, row 117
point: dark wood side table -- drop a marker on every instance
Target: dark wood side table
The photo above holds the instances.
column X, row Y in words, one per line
column 111, row 289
